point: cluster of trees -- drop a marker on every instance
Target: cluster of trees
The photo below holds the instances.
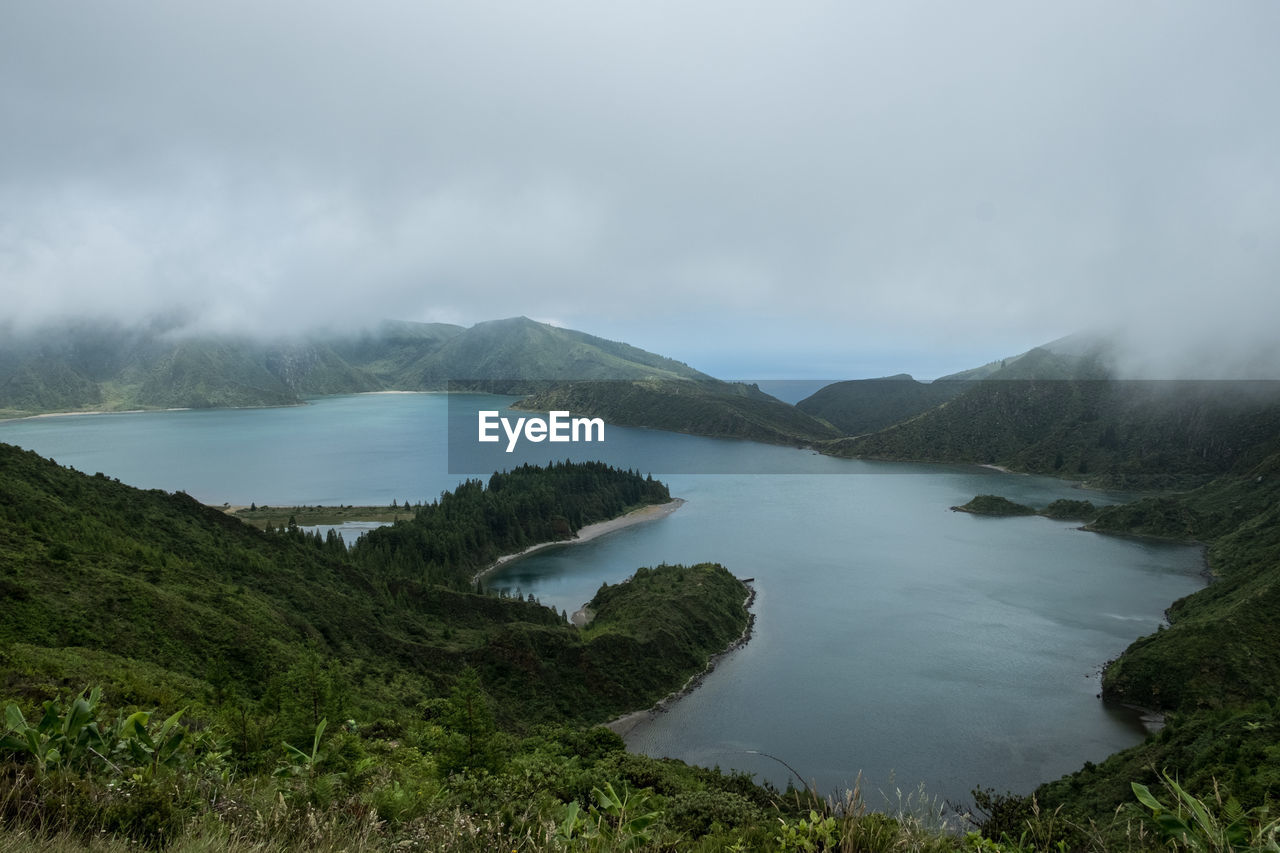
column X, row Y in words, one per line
column 448, row 541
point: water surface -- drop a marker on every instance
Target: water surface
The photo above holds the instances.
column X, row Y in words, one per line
column 894, row 638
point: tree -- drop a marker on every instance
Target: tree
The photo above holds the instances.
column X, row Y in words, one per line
column 469, row 717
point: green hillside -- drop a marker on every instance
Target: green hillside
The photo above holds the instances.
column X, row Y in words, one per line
column 268, row 690
column 99, row 368
column 1211, row 452
column 391, row 351
column 516, row 350
column 1214, row 670
column 418, row 715
column 860, row 406
column 91, row 565
column 705, row 407
column 1138, row 435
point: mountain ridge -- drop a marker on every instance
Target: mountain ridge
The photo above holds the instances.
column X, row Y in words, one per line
column 83, row 367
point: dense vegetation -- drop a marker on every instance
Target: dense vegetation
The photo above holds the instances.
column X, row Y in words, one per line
column 1119, row 434
column 448, row 541
column 213, row 642
column 994, row 505
column 95, row 367
column 271, row 690
column 860, row 406
column 705, row 407
column 1062, row 508
column 1066, row 509
column 1214, row 670
column 151, row 594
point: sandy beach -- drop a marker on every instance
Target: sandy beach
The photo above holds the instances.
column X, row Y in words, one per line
column 87, row 412
column 592, row 531
column 91, row 412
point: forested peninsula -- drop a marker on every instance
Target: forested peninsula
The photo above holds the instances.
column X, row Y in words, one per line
column 401, row 684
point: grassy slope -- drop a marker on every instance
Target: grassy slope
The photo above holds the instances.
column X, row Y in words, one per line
column 91, row 568
column 95, row 368
column 1222, row 647
column 861, row 406
column 1130, row 435
column 520, row 349
column 1215, row 670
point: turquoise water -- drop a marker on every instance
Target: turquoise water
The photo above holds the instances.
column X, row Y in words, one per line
column 894, row 638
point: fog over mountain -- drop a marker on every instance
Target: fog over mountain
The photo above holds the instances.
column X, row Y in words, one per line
column 833, row 190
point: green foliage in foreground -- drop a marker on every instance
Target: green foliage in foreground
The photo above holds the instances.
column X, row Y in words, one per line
column 91, row 778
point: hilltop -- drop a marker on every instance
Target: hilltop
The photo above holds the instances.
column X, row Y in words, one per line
column 860, row 406
column 88, row 367
column 1060, row 410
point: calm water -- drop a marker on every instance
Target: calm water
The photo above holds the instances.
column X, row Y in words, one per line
column 893, row 637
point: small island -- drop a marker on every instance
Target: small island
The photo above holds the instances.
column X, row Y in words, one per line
column 1061, row 509
column 994, row 505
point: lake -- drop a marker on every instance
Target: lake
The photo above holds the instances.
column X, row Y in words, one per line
column 894, row 638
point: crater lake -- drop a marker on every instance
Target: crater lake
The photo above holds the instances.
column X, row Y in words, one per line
column 895, row 640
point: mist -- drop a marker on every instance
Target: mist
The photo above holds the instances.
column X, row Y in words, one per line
column 756, row 190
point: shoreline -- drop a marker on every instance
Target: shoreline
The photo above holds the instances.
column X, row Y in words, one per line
column 623, row 724
column 652, row 512
column 95, row 412
column 87, row 412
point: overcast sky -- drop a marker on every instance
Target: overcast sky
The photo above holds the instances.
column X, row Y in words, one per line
column 759, row 189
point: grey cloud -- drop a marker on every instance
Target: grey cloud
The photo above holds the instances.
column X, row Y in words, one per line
column 823, row 184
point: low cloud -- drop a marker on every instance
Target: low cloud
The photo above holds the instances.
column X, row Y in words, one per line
column 819, row 189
